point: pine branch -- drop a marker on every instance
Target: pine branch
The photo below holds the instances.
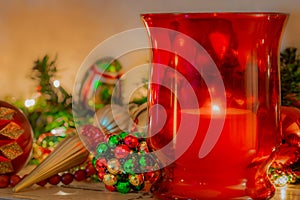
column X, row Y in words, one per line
column 53, row 108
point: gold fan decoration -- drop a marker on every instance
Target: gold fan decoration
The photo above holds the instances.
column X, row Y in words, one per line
column 69, row 153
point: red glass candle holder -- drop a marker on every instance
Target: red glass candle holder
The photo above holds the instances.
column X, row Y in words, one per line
column 214, row 102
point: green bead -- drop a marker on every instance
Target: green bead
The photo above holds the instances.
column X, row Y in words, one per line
column 143, row 161
column 123, row 135
column 94, row 160
column 101, row 149
column 113, row 141
column 123, row 187
column 139, row 187
column 129, row 166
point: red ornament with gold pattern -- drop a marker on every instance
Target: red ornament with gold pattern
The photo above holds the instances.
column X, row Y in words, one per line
column 16, row 139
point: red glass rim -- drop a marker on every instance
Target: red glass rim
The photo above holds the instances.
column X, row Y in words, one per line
column 216, row 14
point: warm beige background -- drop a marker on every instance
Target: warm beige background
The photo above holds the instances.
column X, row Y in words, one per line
column 70, row 29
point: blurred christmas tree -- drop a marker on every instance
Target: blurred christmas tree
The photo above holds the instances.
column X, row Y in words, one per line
column 49, row 111
column 290, row 77
column 53, row 106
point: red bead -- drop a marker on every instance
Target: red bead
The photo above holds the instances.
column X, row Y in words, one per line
column 54, row 180
column 90, row 170
column 42, row 182
column 121, row 151
column 110, row 188
column 131, row 141
column 101, row 175
column 101, row 163
column 14, row 180
column 152, row 176
column 4, row 181
column 92, row 134
column 67, row 178
column 80, row 175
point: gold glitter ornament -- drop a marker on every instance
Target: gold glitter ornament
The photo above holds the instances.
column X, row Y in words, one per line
column 136, row 179
column 113, row 166
column 68, row 153
column 16, row 139
column 11, row 151
column 5, row 166
column 12, row 131
column 109, row 179
column 6, row 113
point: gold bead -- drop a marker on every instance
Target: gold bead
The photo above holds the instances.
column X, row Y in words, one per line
column 109, row 179
column 136, row 179
column 113, row 166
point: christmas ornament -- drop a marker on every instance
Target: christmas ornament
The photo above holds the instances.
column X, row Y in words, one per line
column 98, row 83
column 121, row 151
column 111, row 119
column 123, row 166
column 109, row 179
column 123, row 187
column 68, row 154
column 16, row 139
column 91, row 136
column 113, row 166
column 136, row 179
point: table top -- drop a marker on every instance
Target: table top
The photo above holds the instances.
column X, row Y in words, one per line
column 76, row 191
column 96, row 190
column 91, row 191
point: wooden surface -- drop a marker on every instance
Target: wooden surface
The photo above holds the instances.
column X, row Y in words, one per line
column 76, row 191
column 91, row 190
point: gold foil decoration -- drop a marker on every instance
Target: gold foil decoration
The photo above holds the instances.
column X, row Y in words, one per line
column 5, row 166
column 12, row 131
column 6, row 113
column 69, row 153
column 11, row 150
